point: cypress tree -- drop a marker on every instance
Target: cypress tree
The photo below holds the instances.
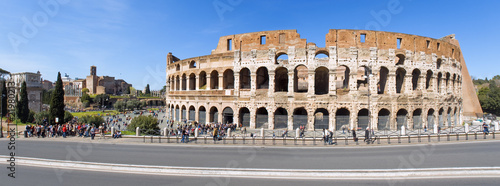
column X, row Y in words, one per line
column 22, row 109
column 4, row 98
column 147, row 92
column 57, row 102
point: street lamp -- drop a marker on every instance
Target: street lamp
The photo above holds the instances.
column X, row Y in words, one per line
column 367, row 77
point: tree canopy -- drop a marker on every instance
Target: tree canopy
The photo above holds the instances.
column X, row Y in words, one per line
column 57, row 102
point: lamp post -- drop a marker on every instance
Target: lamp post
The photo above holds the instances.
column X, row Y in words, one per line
column 368, row 76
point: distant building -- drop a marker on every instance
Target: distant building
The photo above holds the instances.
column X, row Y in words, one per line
column 33, row 87
column 47, row 85
column 104, row 84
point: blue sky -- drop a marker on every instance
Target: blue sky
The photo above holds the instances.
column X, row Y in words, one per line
column 129, row 39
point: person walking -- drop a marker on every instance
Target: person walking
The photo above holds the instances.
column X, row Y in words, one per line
column 354, row 135
column 215, row 133
column 367, row 135
column 92, row 133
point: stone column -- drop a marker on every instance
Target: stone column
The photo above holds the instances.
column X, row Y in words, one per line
column 209, row 82
column 408, row 84
column 219, row 115
column 236, row 84
column 253, row 83
column 271, row 83
column 221, row 82
column 196, row 114
column 332, row 118
column 310, row 83
column 187, row 82
column 333, row 85
column 197, row 83
column 310, row 120
column 290, row 82
column 252, row 118
column 391, row 83
column 270, row 120
column 290, row 120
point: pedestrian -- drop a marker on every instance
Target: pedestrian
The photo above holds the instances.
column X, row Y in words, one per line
column 367, row 135
column 92, row 133
column 215, row 133
column 354, row 135
column 485, row 129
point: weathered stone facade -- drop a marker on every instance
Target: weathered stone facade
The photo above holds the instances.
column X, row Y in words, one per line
column 275, row 79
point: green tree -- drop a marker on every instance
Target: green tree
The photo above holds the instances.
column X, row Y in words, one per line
column 57, row 102
column 85, row 91
column 148, row 123
column 67, row 116
column 120, row 106
column 22, row 108
column 91, row 119
column 4, row 99
column 39, row 117
column 147, row 92
column 47, row 96
column 102, row 99
column 31, row 117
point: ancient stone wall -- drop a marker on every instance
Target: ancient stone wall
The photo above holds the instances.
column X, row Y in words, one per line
column 275, row 79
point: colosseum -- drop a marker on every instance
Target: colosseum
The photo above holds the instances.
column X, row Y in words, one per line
column 361, row 78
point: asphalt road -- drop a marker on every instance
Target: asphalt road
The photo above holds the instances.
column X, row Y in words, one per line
column 54, row 177
column 481, row 154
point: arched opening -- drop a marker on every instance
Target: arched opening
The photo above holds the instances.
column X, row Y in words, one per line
column 362, row 78
column 321, row 118
column 384, row 120
column 417, row 119
column 244, row 117
column 178, row 83
column 192, row 64
column 321, row 56
column 440, row 117
column 172, row 112
column 430, row 119
column 192, row 81
column 280, row 118
column 177, row 114
column 342, row 119
column 428, row 79
column 438, row 63
column 228, row 79
column 448, row 116
column 447, row 80
column 400, row 58
column 214, row 80
column 183, row 114
column 321, row 81
column 262, row 78
column 203, row 80
column 172, row 83
column 184, row 80
column 400, row 79
column 192, row 113
column 202, row 115
column 440, row 76
column 342, row 77
column 382, row 80
column 227, row 115
column 281, row 80
column 261, row 118
column 363, row 119
column 455, row 118
column 300, row 79
column 401, row 118
column 415, row 75
column 282, row 58
column 453, row 81
column 299, row 117
column 177, row 67
column 245, row 78
column 214, row 115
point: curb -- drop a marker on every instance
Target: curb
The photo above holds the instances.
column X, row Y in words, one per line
column 335, row 174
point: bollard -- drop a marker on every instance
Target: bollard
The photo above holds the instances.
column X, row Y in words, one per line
column 274, row 139
column 389, row 139
column 159, row 139
column 346, row 143
column 484, row 135
column 177, row 138
column 137, row 132
column 335, row 138
column 165, row 131
column 196, row 131
column 243, row 140
column 429, row 138
column 399, row 138
column 262, row 132
column 295, row 140
column 205, row 139
column 403, row 130
column 448, row 136
column 112, row 131
column 234, row 140
column 168, row 139
column 228, row 131
column 151, row 139
column 223, row 140
column 284, row 140
column 475, row 135
column 439, row 137
column 409, row 140
column 253, row 139
column 314, row 140
column 466, row 136
column 297, row 132
column 144, row 139
column 419, row 140
column 493, row 132
column 378, row 140
column 303, row 140
column 457, row 137
column 263, row 140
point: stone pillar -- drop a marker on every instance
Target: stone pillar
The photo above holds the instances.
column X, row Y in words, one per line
column 297, row 132
column 219, row 115
column 310, row 82
column 310, row 120
column 137, row 131
column 270, row 119
column 333, row 85
column 196, row 114
column 228, row 132
column 253, row 83
column 466, row 128
column 197, row 83
column 236, row 83
column 271, row 83
column 209, row 82
column 408, row 84
column 221, row 81
column 187, row 82
column 290, row 82
column 403, row 130
column 252, row 118
column 262, row 132
column 290, row 120
column 112, row 131
column 391, row 83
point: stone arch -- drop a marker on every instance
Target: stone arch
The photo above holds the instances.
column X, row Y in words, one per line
column 342, row 77
column 227, row 115
column 438, row 63
column 177, row 67
column 321, row 119
column 192, row 64
column 439, row 78
column 428, row 79
column 448, row 117
column 300, row 80
column 262, row 78
column 280, row 118
column 400, row 79
column 447, row 80
column 441, row 117
column 454, row 80
column 245, row 78
column 228, row 79
column 183, row 113
column 363, row 119
column 417, row 119
column 322, row 55
column 244, row 117
column 192, row 113
column 202, row 80
column 178, row 83
column 202, row 115
column 177, row 114
column 192, row 81
column 184, row 80
column 261, row 118
column 214, row 80
column 382, row 84
column 281, row 58
column 430, row 119
column 299, row 117
column 281, row 79
column 342, row 117
column 415, row 78
column 402, row 118
column 384, row 119
column 362, row 78
column 321, row 80
column 214, row 115
column 400, row 59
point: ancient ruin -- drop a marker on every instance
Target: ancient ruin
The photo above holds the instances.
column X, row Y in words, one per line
column 362, row 78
